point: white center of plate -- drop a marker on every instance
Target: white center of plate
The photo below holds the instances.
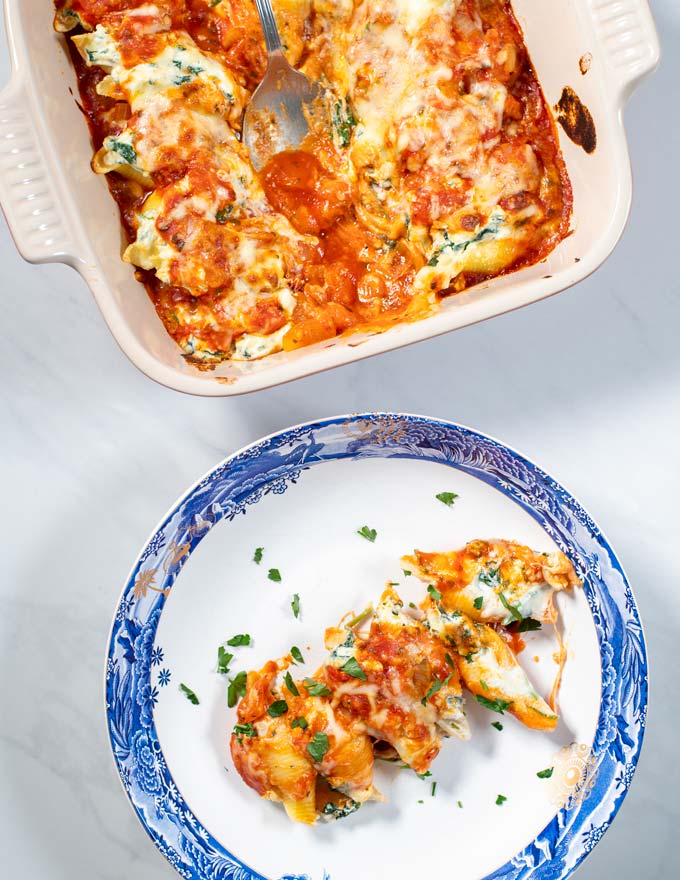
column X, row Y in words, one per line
column 309, row 535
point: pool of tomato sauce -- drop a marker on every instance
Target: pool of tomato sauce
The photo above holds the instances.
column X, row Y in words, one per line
column 339, row 288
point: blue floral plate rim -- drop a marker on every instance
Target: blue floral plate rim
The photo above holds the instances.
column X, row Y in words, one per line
column 271, row 464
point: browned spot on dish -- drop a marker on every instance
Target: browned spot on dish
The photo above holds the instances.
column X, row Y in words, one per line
column 576, row 120
column 584, row 62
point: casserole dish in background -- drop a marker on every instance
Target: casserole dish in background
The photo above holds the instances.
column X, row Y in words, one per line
column 59, row 210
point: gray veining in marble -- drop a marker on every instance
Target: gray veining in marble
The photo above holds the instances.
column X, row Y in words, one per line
column 587, row 384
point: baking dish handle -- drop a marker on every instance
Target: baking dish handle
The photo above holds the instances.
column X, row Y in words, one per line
column 29, row 193
column 629, row 42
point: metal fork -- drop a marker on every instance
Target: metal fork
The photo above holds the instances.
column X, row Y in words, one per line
column 275, row 119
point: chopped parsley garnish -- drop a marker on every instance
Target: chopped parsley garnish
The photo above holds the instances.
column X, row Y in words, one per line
column 434, row 592
column 236, row 689
column 421, row 802
column 423, row 775
column 484, row 685
column 316, row 688
column 446, row 498
column 241, row 730
column 369, row 534
column 257, row 556
column 494, row 705
column 300, row 722
column 224, row 658
column 295, row 604
column 468, row 657
column 290, row 684
column 436, row 686
column 528, row 624
column 434, row 789
column 497, row 725
column 318, row 747
column 479, row 601
column 189, row 694
column 545, row 774
column 278, row 708
column 353, row 668
column 296, row 654
column 511, row 608
column 449, row 660
column 274, row 575
column 407, row 573
column 500, row 800
column 239, row 641
column 460, row 805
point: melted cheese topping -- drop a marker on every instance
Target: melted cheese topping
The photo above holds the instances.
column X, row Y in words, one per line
column 490, row 670
column 392, row 682
column 432, row 164
column 496, row 581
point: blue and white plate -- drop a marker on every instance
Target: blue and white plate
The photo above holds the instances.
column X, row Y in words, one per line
column 302, row 495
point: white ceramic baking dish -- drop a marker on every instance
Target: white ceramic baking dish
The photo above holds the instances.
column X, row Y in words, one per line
column 58, row 210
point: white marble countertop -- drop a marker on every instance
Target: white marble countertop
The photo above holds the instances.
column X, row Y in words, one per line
column 587, row 384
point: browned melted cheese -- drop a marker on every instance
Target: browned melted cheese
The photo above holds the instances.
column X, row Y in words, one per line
column 434, row 166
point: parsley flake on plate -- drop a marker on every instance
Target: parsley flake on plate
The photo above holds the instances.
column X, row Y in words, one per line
column 434, row 592
column 239, row 641
column 224, row 658
column 278, row 708
column 436, row 686
column 494, row 705
column 241, row 730
column 318, row 747
column 290, row 684
column 545, row 774
column 295, row 605
column 497, row 725
column 500, row 800
column 257, row 556
column 511, row 608
column 274, row 575
column 316, row 688
column 236, row 689
column 189, row 694
column 369, row 534
column 296, row 654
column 353, row 668
column 446, row 498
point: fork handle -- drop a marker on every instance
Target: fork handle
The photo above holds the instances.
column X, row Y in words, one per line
column 270, row 30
